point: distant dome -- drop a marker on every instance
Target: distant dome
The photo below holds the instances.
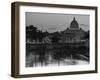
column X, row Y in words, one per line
column 74, row 24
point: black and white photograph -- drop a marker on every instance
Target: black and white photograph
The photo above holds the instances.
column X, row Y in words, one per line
column 54, row 39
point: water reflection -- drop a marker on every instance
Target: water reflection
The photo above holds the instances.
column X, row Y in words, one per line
column 56, row 57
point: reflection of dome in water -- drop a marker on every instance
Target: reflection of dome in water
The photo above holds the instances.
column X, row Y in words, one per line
column 74, row 24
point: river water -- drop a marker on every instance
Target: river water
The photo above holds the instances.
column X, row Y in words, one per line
column 54, row 58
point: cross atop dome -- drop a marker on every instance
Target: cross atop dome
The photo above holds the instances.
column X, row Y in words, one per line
column 74, row 19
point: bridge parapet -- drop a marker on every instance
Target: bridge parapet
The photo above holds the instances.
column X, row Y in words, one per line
column 54, row 46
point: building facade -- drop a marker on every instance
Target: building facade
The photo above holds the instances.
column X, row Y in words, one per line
column 72, row 34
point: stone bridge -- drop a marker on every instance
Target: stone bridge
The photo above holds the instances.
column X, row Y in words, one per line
column 53, row 46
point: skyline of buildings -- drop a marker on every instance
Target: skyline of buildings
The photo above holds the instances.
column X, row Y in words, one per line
column 55, row 22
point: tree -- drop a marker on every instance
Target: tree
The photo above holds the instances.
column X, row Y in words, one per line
column 56, row 37
column 86, row 36
column 31, row 32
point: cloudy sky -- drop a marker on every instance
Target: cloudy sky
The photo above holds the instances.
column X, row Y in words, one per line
column 55, row 22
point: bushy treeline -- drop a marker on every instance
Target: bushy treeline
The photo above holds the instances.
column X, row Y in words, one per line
column 33, row 33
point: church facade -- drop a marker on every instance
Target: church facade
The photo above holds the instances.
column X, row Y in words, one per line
column 72, row 34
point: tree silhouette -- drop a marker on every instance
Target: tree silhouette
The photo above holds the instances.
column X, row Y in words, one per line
column 56, row 37
column 86, row 36
column 33, row 33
